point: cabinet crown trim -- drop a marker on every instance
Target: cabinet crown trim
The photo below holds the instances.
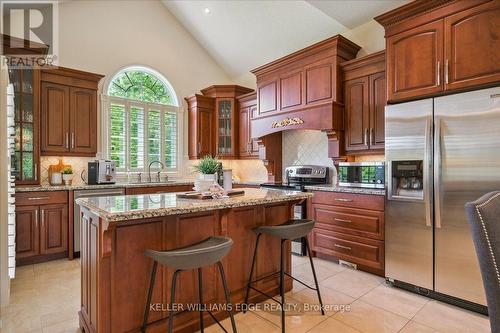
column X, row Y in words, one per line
column 374, row 58
column 337, row 42
column 409, row 10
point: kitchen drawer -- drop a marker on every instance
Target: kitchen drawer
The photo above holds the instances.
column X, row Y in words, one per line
column 358, row 250
column 353, row 221
column 364, row 201
column 158, row 189
column 41, row 198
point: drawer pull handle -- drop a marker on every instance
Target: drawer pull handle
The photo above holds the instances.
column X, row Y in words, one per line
column 342, row 247
column 39, row 198
column 342, row 220
column 343, row 200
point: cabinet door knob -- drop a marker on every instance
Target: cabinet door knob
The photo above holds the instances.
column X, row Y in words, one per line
column 72, row 140
column 372, row 136
column 365, row 139
column 67, row 140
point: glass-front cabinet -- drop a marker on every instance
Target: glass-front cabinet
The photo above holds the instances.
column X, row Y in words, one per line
column 26, row 94
column 226, row 143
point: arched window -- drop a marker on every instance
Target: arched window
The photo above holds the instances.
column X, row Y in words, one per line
column 143, row 120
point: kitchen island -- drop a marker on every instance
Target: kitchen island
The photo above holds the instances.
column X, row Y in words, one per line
column 117, row 230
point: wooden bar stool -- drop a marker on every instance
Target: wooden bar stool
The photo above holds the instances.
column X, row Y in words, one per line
column 291, row 229
column 195, row 256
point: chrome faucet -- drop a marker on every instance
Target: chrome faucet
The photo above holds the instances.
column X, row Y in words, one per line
column 149, row 170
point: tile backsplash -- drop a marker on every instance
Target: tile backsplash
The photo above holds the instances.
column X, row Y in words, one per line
column 78, row 164
column 306, row 147
column 244, row 170
column 299, row 147
column 311, row 147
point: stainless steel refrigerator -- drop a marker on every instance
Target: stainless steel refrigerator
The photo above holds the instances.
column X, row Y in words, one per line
column 440, row 153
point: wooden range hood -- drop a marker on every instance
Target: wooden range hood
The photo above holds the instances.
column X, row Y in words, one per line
column 303, row 90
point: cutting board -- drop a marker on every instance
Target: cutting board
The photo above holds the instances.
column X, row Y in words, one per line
column 201, row 196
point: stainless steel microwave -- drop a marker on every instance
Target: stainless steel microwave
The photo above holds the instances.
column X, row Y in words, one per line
column 362, row 174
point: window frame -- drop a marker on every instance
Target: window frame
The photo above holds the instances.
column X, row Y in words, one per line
column 147, row 107
column 107, row 101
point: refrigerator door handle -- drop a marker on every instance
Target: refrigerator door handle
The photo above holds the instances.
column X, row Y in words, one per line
column 437, row 172
column 428, row 173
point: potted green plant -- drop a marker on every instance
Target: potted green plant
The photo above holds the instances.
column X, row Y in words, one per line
column 207, row 173
column 67, row 175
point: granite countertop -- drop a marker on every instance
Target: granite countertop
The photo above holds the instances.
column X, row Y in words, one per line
column 177, row 182
column 342, row 189
column 131, row 207
column 42, row 188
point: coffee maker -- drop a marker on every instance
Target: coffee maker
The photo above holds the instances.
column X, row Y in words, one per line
column 101, row 172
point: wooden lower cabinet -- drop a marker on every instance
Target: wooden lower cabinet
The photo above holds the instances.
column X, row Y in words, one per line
column 53, row 228
column 349, row 227
column 27, row 232
column 158, row 189
column 116, row 274
column 42, row 226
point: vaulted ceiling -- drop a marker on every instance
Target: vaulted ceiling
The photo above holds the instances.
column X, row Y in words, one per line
column 242, row 35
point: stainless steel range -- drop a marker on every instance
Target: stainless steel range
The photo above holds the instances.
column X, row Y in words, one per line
column 296, row 178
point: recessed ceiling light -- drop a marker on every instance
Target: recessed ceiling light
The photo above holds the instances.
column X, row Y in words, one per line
column 206, row 11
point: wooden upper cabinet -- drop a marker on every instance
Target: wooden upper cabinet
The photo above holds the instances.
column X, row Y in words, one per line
column 365, row 101
column 291, row 90
column 55, row 118
column 414, row 62
column 472, row 46
column 320, row 84
column 25, row 161
column 83, row 115
column 268, row 97
column 437, row 47
column 378, row 101
column 226, row 128
column 303, row 81
column 200, row 126
column 69, row 112
column 357, row 114
column 248, row 148
column 244, row 131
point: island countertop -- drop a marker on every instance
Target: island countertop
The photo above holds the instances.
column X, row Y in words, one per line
column 116, row 231
column 133, row 207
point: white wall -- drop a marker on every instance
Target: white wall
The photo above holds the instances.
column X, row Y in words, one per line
column 370, row 36
column 104, row 36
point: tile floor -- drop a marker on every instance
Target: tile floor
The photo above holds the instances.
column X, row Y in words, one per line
column 45, row 298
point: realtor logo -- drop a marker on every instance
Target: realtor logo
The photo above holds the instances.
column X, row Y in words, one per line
column 29, row 32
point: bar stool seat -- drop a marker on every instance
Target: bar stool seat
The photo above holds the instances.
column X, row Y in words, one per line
column 195, row 256
column 204, row 253
column 289, row 230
